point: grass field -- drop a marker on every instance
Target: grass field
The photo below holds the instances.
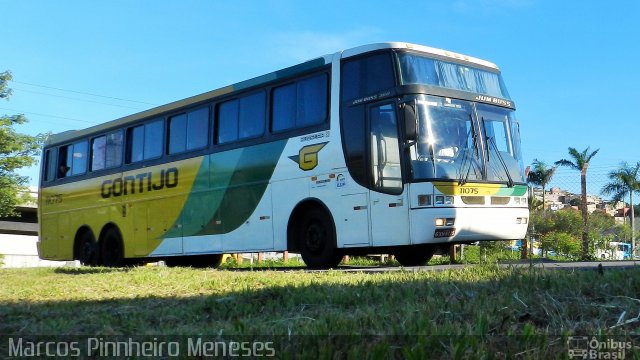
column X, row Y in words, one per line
column 477, row 312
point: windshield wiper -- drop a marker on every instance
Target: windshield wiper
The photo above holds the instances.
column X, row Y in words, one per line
column 491, row 141
column 432, row 156
column 467, row 158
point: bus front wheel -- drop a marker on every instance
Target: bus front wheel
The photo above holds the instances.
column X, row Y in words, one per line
column 317, row 240
column 112, row 249
column 415, row 255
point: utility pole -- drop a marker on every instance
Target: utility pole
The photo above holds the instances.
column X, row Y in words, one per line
column 633, row 226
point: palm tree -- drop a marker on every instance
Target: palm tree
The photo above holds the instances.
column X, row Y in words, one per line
column 541, row 176
column 581, row 163
column 624, row 181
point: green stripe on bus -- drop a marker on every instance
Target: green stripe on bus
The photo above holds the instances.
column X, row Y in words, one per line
column 518, row 190
column 237, row 181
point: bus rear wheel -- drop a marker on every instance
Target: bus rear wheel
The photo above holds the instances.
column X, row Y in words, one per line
column 317, row 240
column 85, row 249
column 415, row 255
column 112, row 249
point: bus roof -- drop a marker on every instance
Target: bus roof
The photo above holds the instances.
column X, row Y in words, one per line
column 69, row 135
column 420, row 48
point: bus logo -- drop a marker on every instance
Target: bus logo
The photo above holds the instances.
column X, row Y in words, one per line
column 307, row 158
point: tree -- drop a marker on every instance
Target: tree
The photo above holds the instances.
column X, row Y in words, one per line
column 581, row 163
column 575, row 202
column 560, row 231
column 16, row 151
column 624, row 182
column 541, row 176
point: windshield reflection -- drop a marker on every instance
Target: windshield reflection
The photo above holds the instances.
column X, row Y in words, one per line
column 448, row 145
column 503, row 158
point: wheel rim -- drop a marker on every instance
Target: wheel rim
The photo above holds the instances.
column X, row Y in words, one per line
column 87, row 252
column 315, row 238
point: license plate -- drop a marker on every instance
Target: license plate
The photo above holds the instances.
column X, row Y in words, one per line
column 444, row 233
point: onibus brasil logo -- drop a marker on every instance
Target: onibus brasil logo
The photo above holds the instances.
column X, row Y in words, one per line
column 307, row 158
column 584, row 347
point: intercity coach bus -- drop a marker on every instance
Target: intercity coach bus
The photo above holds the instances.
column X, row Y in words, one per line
column 385, row 148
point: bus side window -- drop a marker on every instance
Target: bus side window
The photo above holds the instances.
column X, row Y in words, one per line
column 197, row 128
column 242, row 118
column 301, row 104
column 144, row 142
column 79, row 158
column 64, row 165
column 361, row 77
column 367, row 76
column 98, row 152
column 228, row 121
column 177, row 134
column 73, row 159
column 189, row 131
column 385, row 150
column 50, row 165
column 113, row 156
column 135, row 144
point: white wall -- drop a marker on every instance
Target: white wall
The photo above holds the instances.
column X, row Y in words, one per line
column 21, row 251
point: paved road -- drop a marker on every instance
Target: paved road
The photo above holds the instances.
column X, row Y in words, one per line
column 539, row 264
column 548, row 265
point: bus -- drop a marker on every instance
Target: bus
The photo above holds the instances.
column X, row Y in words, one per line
column 615, row 251
column 389, row 148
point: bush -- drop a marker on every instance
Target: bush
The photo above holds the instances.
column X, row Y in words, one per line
column 1, row 260
column 562, row 243
column 495, row 251
column 561, row 231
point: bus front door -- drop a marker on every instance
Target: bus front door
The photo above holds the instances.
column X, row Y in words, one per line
column 388, row 202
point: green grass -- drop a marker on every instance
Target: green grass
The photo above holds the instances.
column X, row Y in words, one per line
column 488, row 310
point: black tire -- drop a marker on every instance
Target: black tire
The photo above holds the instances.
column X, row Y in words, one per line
column 317, row 240
column 85, row 249
column 415, row 255
column 112, row 248
column 195, row 261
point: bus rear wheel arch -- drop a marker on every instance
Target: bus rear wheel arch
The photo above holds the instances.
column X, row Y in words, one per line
column 111, row 247
column 315, row 237
column 85, row 247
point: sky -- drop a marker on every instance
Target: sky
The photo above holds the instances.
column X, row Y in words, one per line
column 570, row 66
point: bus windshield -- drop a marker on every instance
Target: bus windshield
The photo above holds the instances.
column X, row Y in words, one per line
column 447, row 145
column 417, row 69
column 502, row 142
column 451, row 136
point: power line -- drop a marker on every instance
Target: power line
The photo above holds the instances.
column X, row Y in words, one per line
column 83, row 93
column 77, row 99
column 52, row 116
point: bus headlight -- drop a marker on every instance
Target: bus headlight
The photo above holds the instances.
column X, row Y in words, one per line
column 444, row 200
column 445, row 221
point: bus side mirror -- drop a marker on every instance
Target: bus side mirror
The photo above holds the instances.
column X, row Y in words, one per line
column 410, row 122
